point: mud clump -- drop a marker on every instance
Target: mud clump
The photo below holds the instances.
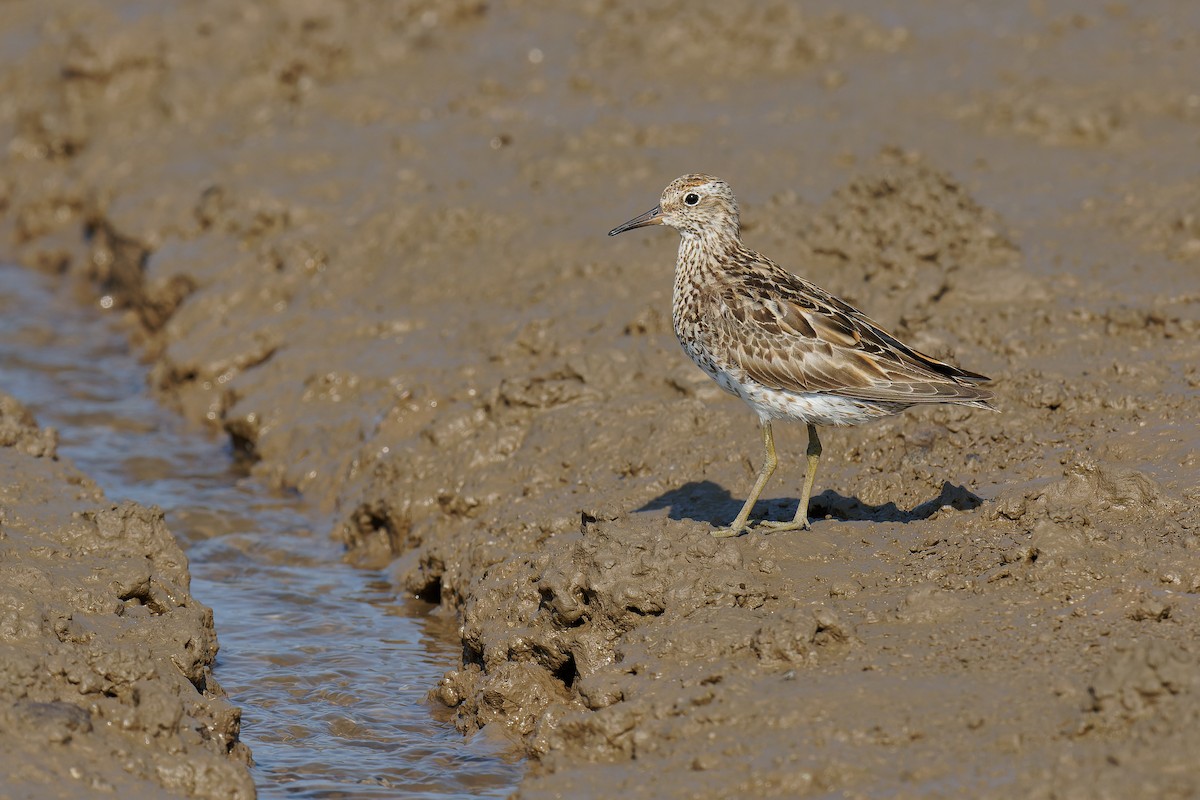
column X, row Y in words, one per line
column 19, row 431
column 1138, row 679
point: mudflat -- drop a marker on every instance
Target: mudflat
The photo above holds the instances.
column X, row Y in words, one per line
column 367, row 240
column 106, row 682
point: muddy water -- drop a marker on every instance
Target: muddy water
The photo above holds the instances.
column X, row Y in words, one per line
column 330, row 669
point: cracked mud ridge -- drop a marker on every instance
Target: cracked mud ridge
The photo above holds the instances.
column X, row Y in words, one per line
column 366, row 241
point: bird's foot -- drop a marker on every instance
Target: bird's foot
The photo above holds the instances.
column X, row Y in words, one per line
column 790, row 525
column 730, row 532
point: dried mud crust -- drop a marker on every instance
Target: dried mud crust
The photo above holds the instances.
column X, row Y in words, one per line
column 105, row 659
column 386, row 279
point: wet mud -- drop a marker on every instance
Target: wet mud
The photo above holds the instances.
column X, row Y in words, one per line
column 329, row 667
column 105, row 658
column 367, row 242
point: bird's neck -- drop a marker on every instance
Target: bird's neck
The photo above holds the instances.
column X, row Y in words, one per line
column 696, row 272
column 700, row 253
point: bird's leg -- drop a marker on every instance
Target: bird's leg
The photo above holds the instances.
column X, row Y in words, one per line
column 764, row 474
column 801, row 520
column 810, row 472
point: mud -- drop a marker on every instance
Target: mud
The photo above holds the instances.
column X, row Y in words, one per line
column 367, row 242
column 106, row 659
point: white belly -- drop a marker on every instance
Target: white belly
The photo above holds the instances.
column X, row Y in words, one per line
column 813, row 408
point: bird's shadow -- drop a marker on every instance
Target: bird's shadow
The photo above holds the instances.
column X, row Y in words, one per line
column 705, row 501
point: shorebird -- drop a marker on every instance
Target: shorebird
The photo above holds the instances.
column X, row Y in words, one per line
column 789, row 349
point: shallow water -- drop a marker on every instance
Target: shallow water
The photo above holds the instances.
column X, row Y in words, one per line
column 328, row 666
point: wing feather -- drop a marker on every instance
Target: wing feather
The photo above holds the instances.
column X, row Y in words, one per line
column 787, row 333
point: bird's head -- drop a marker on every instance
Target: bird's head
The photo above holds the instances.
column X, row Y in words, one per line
column 697, row 205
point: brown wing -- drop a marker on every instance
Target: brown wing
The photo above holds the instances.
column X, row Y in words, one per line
column 790, row 334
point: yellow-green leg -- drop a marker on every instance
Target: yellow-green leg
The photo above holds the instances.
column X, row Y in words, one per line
column 764, row 474
column 800, row 522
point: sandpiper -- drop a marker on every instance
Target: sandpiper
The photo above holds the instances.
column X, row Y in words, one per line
column 789, row 349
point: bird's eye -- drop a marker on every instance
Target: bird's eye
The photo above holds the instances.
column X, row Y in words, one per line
column 692, row 198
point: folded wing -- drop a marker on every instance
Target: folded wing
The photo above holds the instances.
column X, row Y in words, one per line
column 792, row 335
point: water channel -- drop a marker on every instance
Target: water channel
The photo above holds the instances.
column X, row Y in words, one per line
column 329, row 667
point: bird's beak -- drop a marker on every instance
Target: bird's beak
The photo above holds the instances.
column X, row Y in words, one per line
column 652, row 217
